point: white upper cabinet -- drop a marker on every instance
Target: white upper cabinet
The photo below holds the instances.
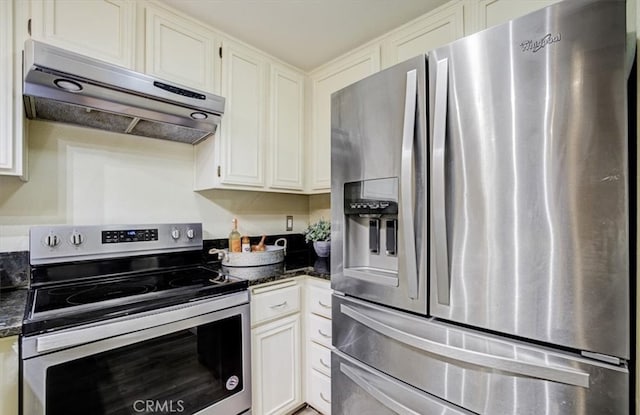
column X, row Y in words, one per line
column 325, row 81
column 286, row 128
column 103, row 29
column 259, row 145
column 430, row 31
column 244, row 85
column 13, row 32
column 7, row 142
column 494, row 12
column 181, row 50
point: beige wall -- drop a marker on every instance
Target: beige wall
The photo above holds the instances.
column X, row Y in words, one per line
column 320, row 207
column 81, row 176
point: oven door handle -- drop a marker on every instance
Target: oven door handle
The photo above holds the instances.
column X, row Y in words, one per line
column 77, row 336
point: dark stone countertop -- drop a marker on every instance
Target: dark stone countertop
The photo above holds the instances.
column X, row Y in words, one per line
column 269, row 273
column 12, row 304
column 289, row 274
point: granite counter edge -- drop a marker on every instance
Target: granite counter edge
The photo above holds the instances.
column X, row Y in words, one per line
column 12, row 305
column 290, row 274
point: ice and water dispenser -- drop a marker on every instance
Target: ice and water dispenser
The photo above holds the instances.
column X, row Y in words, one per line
column 371, row 230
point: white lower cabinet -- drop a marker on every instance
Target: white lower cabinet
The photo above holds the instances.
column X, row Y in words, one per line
column 320, row 392
column 9, row 375
column 276, row 353
column 318, row 344
column 276, row 374
column 291, row 346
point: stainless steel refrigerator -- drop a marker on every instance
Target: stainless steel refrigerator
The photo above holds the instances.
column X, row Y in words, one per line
column 480, row 224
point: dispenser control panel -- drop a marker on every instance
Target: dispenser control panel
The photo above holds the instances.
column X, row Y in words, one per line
column 371, row 197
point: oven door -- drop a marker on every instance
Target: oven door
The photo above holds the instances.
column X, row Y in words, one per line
column 198, row 363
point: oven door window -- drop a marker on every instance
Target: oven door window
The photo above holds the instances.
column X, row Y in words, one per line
column 182, row 372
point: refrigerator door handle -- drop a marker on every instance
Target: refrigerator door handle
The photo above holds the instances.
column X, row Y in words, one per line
column 438, row 183
column 406, row 185
column 518, row 367
column 360, row 380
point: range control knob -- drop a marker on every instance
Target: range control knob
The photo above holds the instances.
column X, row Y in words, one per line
column 52, row 240
column 175, row 233
column 191, row 233
column 76, row 239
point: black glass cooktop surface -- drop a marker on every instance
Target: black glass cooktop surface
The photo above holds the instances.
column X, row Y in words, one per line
column 121, row 288
column 70, row 303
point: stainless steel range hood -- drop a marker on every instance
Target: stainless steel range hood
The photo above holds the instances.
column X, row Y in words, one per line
column 67, row 87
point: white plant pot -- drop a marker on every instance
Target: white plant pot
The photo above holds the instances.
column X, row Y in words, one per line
column 322, row 248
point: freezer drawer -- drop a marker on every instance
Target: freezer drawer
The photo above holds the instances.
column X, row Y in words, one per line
column 482, row 373
column 359, row 389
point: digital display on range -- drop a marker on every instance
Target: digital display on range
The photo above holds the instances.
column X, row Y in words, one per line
column 131, row 235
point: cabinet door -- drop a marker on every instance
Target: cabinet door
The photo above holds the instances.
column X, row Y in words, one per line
column 242, row 131
column 181, row 51
column 325, row 81
column 6, row 86
column 434, row 29
column 13, row 150
column 287, row 128
column 493, row 12
column 276, row 374
column 9, row 373
column 103, row 29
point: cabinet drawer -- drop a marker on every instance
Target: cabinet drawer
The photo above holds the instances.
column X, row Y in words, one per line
column 320, row 301
column 320, row 330
column 320, row 358
column 268, row 304
column 320, row 392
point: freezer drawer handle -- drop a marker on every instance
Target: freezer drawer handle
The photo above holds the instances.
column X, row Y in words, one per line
column 505, row 364
column 379, row 395
column 322, row 362
column 438, row 184
column 406, row 185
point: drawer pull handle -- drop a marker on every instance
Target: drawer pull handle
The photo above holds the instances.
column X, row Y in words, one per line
column 324, row 364
column 324, row 305
column 328, row 336
column 279, row 305
column 324, row 399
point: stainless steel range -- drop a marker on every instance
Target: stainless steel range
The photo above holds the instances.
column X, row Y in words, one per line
column 128, row 319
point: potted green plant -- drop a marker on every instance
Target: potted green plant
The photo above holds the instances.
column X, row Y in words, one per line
column 320, row 234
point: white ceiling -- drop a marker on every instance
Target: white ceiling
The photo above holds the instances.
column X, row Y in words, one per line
column 305, row 33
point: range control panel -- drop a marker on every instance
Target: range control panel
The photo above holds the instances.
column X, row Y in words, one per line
column 131, row 235
column 62, row 243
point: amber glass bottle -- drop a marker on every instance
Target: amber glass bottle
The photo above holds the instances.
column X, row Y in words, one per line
column 234, row 238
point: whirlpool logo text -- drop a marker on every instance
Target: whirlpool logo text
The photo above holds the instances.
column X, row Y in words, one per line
column 535, row 45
